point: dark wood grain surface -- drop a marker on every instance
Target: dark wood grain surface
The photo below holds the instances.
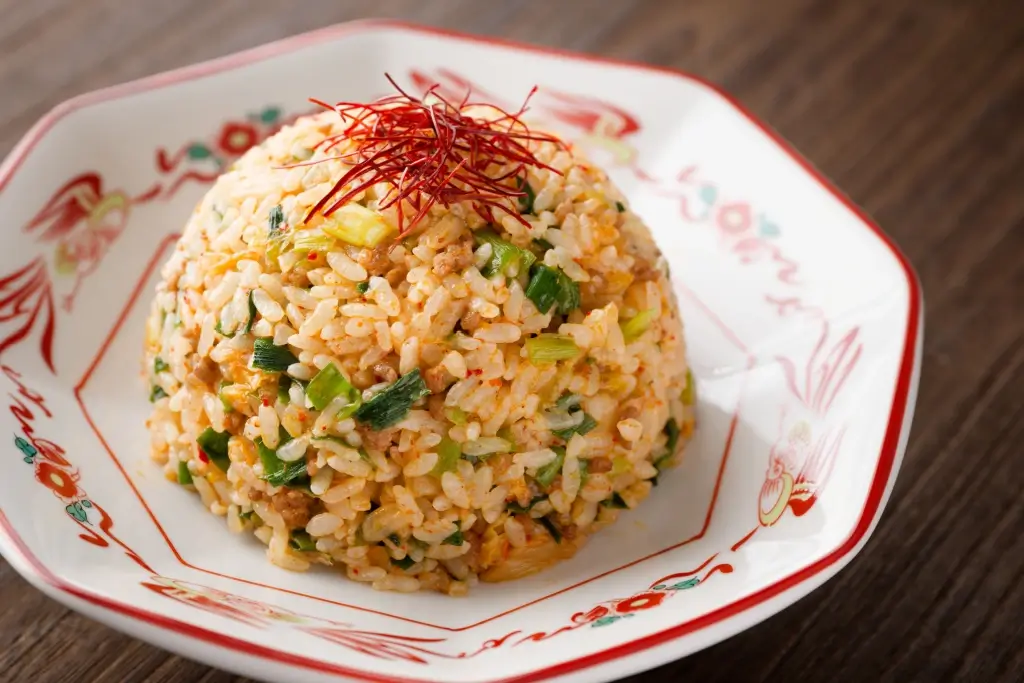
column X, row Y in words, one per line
column 914, row 108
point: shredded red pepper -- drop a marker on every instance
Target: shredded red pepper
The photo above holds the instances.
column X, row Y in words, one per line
column 433, row 153
column 202, row 456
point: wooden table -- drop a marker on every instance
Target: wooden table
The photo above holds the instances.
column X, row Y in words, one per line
column 914, row 108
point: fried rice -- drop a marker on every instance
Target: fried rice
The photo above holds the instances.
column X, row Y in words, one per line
column 405, row 410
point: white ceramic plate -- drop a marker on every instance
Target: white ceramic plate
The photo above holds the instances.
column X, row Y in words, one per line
column 803, row 323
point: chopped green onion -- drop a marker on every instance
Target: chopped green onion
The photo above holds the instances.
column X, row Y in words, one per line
column 395, row 539
column 219, row 329
column 284, row 383
column 228, row 408
column 504, row 254
column 328, row 384
column 276, row 472
column 552, row 529
column 357, row 225
column 215, row 445
column 525, row 203
column 159, row 365
column 302, row 542
column 620, row 465
column 672, row 431
column 546, row 475
column 184, row 476
column 456, row 415
column 276, row 220
column 252, row 315
column 363, row 287
column 584, row 471
column 245, row 516
column 390, row 405
column 270, row 357
column 404, row 564
column 549, row 348
column 616, row 501
column 638, row 324
column 583, row 427
column 689, row 390
column 448, row 455
column 456, row 538
column 506, row 433
column 516, row 509
column 543, row 244
column 312, row 240
column 549, row 286
column 156, row 393
column 620, row 206
column 568, row 401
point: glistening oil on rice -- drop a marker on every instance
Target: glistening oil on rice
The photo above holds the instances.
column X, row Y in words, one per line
column 447, row 369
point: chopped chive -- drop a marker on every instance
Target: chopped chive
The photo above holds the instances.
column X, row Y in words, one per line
column 616, row 501
column 550, row 286
column 390, row 406
column 456, row 538
column 525, row 203
column 395, row 539
column 312, row 241
column 302, row 542
column 215, row 445
column 363, row 287
column 549, row 348
column 219, row 329
column 328, row 384
column 184, row 476
column 159, row 365
column 503, row 254
column 252, row 315
column 448, row 454
column 620, row 206
column 552, row 529
column 568, row 401
column 270, row 357
column 516, row 509
column 689, row 391
column 276, row 472
column 583, row 427
column 456, row 415
column 638, row 324
column 228, row 408
column 672, row 431
column 156, row 393
column 284, row 383
column 546, row 475
column 404, row 564
column 275, row 220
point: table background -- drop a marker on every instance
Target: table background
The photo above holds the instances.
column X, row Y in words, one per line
column 915, row 109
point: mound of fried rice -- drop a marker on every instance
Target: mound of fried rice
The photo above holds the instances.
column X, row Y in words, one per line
column 402, row 410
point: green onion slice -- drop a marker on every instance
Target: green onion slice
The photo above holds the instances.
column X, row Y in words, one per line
column 504, row 254
column 184, row 476
column 550, row 286
column 546, row 475
column 328, row 384
column 638, row 324
column 550, row 348
column 390, row 406
column 448, row 455
column 215, row 445
column 252, row 315
column 271, row 358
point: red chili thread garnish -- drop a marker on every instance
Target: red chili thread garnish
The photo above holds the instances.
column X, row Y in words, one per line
column 266, row 401
column 202, row 456
column 432, row 153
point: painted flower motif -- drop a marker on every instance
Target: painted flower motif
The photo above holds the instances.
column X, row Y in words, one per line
column 640, row 602
column 237, row 138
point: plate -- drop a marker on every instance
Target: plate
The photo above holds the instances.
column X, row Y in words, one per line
column 803, row 323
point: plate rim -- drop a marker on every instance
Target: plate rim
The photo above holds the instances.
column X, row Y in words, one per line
column 886, row 468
